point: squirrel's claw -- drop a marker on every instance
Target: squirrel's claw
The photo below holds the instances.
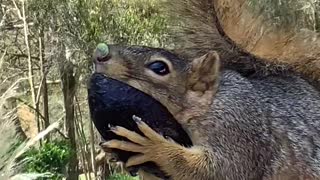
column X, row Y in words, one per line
column 148, row 131
column 123, row 145
column 131, row 135
column 147, row 146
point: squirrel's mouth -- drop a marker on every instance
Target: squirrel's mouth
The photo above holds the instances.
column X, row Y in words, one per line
column 112, row 102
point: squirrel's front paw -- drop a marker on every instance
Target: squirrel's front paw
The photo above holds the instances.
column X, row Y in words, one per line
column 150, row 147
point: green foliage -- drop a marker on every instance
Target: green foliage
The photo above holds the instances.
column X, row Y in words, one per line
column 51, row 157
column 118, row 21
column 136, row 22
column 121, row 177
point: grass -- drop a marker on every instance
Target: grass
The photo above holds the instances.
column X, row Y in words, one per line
column 122, row 177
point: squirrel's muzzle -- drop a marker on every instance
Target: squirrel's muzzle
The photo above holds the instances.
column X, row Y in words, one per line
column 101, row 57
column 102, row 53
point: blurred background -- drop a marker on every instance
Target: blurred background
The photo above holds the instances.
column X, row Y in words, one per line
column 45, row 53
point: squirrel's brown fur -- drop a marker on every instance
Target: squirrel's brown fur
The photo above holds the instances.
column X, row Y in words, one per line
column 243, row 38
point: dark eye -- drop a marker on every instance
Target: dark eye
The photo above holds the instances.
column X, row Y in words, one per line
column 159, row 67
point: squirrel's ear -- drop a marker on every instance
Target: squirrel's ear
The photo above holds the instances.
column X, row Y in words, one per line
column 204, row 72
column 202, row 84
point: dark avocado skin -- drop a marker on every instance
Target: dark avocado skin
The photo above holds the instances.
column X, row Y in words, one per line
column 114, row 102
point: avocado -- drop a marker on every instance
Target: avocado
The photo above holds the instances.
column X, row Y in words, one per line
column 112, row 102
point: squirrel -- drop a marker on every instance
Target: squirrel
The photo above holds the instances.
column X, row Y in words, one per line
column 247, row 117
column 264, row 127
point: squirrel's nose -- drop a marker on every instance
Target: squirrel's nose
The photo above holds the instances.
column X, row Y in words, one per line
column 101, row 53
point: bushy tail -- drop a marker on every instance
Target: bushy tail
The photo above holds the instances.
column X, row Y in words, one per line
column 246, row 38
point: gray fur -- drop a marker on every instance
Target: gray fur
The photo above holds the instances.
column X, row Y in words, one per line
column 260, row 126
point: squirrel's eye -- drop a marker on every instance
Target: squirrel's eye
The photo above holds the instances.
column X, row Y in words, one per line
column 159, row 67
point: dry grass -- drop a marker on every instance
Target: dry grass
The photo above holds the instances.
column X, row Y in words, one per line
column 9, row 137
column 11, row 146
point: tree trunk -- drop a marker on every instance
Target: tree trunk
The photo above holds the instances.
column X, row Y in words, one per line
column 44, row 90
column 45, row 103
column 69, row 88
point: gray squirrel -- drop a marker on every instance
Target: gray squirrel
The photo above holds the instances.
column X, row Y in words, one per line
column 247, row 118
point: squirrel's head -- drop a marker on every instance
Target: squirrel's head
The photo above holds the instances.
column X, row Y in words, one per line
column 185, row 87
